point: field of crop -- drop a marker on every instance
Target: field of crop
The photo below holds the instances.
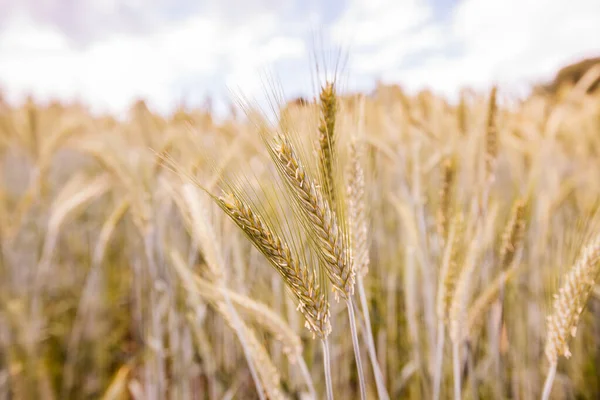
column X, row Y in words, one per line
column 378, row 245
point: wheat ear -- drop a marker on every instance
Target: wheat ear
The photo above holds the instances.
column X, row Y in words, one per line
column 448, row 174
column 491, row 137
column 569, row 303
column 301, row 281
column 328, row 105
column 321, row 222
column 486, row 298
column 320, row 219
column 449, row 272
column 513, row 233
column 360, row 250
column 357, row 212
column 458, row 305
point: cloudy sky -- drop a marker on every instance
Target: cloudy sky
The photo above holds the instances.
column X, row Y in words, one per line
column 110, row 52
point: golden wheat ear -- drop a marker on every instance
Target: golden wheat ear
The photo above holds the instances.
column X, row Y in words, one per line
column 450, row 268
column 569, row 303
column 357, row 213
column 513, row 233
column 570, row 300
column 315, row 212
column 445, row 196
column 327, row 139
column 302, row 281
column 491, row 136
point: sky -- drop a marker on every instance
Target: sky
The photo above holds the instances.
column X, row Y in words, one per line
column 109, row 53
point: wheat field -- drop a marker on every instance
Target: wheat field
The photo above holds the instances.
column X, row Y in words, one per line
column 378, row 245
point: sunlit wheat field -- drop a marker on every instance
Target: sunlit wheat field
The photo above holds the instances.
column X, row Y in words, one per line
column 372, row 245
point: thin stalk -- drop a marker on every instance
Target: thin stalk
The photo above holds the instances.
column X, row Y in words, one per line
column 439, row 359
column 239, row 330
column 327, row 368
column 158, row 379
column 361, row 376
column 456, row 368
column 549, row 382
column 307, row 378
column 381, row 390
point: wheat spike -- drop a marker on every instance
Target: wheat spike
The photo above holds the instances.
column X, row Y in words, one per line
column 450, row 269
column 357, row 212
column 491, row 137
column 448, row 174
column 301, row 281
column 570, row 301
column 513, row 233
column 328, row 107
column 485, row 299
column 321, row 220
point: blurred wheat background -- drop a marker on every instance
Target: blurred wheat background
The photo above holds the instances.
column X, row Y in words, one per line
column 456, row 241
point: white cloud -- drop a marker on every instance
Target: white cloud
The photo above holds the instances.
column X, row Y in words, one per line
column 376, row 22
column 513, row 42
column 112, row 72
column 519, row 39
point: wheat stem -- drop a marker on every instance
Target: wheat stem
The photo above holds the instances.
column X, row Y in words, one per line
column 360, row 250
column 549, row 381
column 439, row 359
column 327, row 368
column 307, row 378
column 239, row 328
column 456, row 368
column 379, row 381
column 361, row 376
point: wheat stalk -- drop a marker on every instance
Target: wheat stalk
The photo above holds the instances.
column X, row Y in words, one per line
column 359, row 248
column 449, row 273
column 325, row 233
